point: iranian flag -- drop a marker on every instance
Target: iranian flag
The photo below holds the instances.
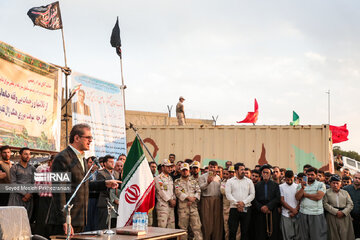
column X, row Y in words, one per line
column 137, row 192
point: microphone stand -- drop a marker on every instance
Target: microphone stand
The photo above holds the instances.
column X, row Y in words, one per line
column 67, row 207
column 110, row 208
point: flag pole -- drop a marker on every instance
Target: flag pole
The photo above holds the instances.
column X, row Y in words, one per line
column 67, row 72
column 123, row 86
column 138, row 136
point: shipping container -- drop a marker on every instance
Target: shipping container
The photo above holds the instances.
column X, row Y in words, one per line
column 290, row 147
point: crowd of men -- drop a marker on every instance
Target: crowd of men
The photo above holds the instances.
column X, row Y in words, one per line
column 264, row 203
column 214, row 202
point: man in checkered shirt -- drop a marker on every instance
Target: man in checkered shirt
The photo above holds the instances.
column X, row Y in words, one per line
column 41, row 227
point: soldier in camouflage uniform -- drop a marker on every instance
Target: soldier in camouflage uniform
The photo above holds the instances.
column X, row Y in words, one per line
column 188, row 192
column 166, row 199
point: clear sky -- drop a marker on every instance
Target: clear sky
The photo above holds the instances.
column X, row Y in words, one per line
column 219, row 55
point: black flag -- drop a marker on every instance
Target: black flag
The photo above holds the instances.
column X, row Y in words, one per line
column 48, row 16
column 115, row 38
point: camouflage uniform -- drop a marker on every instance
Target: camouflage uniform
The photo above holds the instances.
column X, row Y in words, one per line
column 164, row 192
column 184, row 189
column 226, row 211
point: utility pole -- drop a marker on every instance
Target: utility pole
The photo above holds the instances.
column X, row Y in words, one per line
column 328, row 93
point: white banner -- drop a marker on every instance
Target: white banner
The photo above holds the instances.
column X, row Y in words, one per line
column 100, row 104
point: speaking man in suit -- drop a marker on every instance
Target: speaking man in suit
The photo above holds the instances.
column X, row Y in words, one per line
column 79, row 106
column 72, row 160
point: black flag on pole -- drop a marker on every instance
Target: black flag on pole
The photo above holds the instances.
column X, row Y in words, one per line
column 115, row 38
column 48, row 16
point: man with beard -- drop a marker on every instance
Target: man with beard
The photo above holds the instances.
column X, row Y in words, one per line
column 255, row 176
column 248, row 173
column 276, row 175
column 231, row 170
column 104, row 174
column 240, row 192
column 166, row 199
column 153, row 167
column 5, row 166
column 188, row 192
column 118, row 169
column 311, row 217
column 210, row 204
column 354, row 192
column 338, row 205
column 321, row 176
column 22, row 173
column 267, row 202
column 226, row 203
column 195, row 167
column 290, row 208
column 345, row 181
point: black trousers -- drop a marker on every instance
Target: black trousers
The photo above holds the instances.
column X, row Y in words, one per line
column 236, row 217
column 356, row 225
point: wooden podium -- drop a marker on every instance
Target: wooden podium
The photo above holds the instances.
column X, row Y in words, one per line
column 152, row 233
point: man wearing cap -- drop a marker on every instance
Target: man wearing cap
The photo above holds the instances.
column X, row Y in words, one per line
column 312, row 223
column 231, row 170
column 338, row 205
column 210, row 204
column 180, row 114
column 266, row 203
column 166, row 199
column 195, row 170
column 188, row 192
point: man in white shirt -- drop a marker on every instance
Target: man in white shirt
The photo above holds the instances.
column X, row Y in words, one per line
column 240, row 192
column 290, row 208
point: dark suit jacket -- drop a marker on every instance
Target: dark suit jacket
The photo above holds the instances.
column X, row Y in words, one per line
column 86, row 108
column 273, row 195
column 67, row 161
column 103, row 175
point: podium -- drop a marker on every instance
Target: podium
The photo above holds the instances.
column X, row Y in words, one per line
column 152, row 233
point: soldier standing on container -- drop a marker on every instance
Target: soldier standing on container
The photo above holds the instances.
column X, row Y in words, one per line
column 210, row 204
column 188, row 192
column 180, row 114
column 166, row 200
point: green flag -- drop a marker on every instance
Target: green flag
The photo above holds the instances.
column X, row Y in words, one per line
column 295, row 120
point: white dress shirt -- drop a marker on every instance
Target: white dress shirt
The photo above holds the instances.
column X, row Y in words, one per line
column 237, row 190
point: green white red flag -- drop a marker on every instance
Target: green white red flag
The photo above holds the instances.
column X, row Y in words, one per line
column 137, row 192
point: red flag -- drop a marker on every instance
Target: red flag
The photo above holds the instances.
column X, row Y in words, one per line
column 339, row 134
column 252, row 117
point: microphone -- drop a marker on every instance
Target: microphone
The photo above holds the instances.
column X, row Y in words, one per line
column 38, row 237
column 111, row 206
column 96, row 162
column 97, row 233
